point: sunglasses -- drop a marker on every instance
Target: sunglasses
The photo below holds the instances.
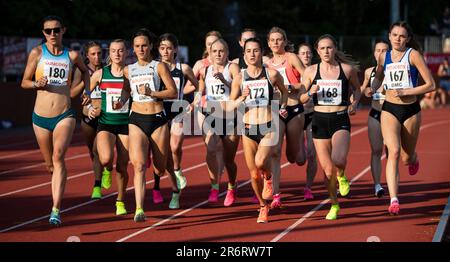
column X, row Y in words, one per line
column 48, row 31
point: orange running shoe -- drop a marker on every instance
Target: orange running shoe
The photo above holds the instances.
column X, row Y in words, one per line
column 263, row 214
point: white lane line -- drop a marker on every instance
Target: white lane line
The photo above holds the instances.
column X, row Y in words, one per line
column 92, row 201
column 40, row 164
column 204, row 202
column 310, row 213
column 439, row 234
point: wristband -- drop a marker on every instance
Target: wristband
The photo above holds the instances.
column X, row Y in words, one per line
column 309, row 94
column 90, row 106
column 34, row 84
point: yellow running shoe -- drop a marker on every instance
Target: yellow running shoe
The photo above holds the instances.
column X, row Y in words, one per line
column 120, row 208
column 96, row 192
column 332, row 215
column 106, row 178
column 344, row 185
column 139, row 215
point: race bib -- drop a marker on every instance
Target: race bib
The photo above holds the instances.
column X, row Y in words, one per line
column 282, row 72
column 147, row 82
column 259, row 93
column 113, row 94
column 57, row 73
column 217, row 91
column 96, row 93
column 397, row 76
column 330, row 92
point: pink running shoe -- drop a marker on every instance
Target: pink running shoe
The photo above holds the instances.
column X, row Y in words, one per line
column 267, row 189
column 230, row 198
column 157, row 197
column 394, row 208
column 255, row 199
column 276, row 202
column 307, row 193
column 413, row 168
column 213, row 196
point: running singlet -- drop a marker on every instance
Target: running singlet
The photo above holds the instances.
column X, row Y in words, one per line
column 96, row 93
column 178, row 78
column 111, row 88
column 290, row 75
column 261, row 89
column 216, row 90
column 376, row 95
column 331, row 92
column 144, row 75
column 400, row 75
column 57, row 68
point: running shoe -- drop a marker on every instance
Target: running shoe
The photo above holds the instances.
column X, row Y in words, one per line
column 181, row 180
column 230, row 197
column 263, row 214
column 139, row 215
column 157, row 197
column 106, row 178
column 276, row 202
column 96, row 192
column 267, row 188
column 413, row 168
column 332, row 215
column 175, row 201
column 55, row 218
column 344, row 185
column 394, row 208
column 213, row 195
column 307, row 193
column 379, row 191
column 120, row 208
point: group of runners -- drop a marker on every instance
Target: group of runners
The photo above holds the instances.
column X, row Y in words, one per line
column 141, row 111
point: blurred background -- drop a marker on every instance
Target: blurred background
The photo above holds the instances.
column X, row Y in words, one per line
column 355, row 24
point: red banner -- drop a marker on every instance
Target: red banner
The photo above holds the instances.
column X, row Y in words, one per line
column 433, row 60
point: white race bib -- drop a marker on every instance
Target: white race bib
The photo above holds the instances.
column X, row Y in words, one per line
column 217, row 91
column 330, row 92
column 57, row 72
column 259, row 93
column 146, row 81
column 113, row 94
column 96, row 93
column 397, row 76
column 282, row 72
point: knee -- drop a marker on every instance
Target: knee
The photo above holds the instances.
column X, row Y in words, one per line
column 138, row 166
column 58, row 156
column 393, row 153
column 260, row 163
column 340, row 162
column 377, row 152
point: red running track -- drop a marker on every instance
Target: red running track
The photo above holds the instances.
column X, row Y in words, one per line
column 25, row 193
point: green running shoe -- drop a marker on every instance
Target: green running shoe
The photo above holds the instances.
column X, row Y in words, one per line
column 175, row 202
column 106, row 178
column 55, row 218
column 181, row 180
column 139, row 215
column 120, row 208
column 344, row 185
column 332, row 215
column 96, row 192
